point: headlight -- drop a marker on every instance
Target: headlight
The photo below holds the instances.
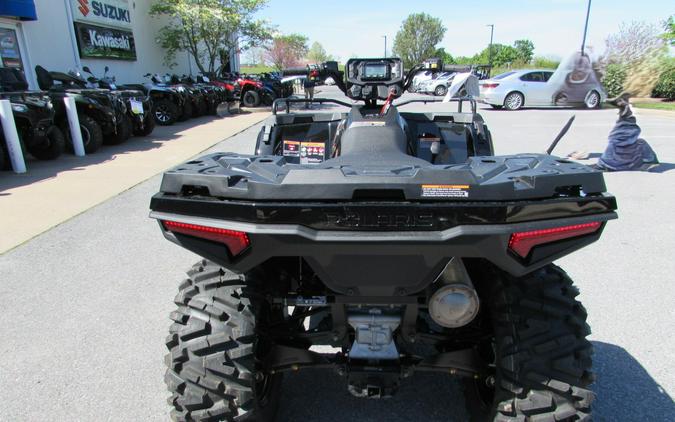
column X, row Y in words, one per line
column 19, row 108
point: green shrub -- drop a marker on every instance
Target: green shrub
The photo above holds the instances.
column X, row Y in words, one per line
column 665, row 87
column 615, row 77
column 540, row 62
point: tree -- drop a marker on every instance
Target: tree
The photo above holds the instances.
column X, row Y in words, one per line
column 524, row 50
column 317, row 53
column 208, row 29
column 634, row 42
column 444, row 55
column 669, row 28
column 286, row 50
column 417, row 38
column 640, row 48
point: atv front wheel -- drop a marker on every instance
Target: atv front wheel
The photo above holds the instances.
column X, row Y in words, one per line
column 51, row 146
column 212, row 352
column 122, row 132
column 148, row 127
column 92, row 135
column 542, row 360
column 164, row 111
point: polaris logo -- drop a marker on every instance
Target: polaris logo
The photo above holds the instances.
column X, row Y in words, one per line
column 109, row 41
column 377, row 220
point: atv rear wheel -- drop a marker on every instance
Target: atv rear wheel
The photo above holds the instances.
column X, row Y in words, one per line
column 542, row 360
column 251, row 99
column 51, row 146
column 212, row 352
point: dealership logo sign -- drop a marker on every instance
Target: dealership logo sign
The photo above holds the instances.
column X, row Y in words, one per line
column 109, row 41
column 112, row 12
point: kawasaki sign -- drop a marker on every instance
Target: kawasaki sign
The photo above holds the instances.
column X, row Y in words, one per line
column 104, row 43
column 103, row 12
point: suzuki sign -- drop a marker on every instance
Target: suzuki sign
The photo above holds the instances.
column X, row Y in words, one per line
column 105, row 12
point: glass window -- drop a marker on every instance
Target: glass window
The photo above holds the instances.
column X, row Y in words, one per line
column 533, row 77
column 503, row 75
column 10, row 56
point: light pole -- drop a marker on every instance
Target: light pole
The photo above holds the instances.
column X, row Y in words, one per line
column 492, row 31
column 385, row 46
column 583, row 42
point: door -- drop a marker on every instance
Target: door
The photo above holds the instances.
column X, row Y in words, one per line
column 535, row 89
column 13, row 52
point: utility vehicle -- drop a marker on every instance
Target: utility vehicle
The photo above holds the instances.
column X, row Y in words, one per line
column 394, row 237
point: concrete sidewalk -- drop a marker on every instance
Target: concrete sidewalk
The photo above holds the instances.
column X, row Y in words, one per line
column 51, row 192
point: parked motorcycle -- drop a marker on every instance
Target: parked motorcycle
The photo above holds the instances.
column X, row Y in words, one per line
column 138, row 103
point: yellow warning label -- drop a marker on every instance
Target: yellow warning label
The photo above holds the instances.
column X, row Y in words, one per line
column 445, row 191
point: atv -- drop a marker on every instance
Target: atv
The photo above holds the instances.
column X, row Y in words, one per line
column 102, row 115
column 33, row 116
column 138, row 103
column 398, row 239
column 168, row 104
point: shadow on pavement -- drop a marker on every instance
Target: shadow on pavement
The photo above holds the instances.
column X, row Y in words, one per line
column 42, row 170
column 625, row 390
column 321, row 396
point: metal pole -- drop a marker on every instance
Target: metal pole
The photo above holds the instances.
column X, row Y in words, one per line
column 492, row 31
column 385, row 46
column 588, row 12
column 74, row 123
column 11, row 137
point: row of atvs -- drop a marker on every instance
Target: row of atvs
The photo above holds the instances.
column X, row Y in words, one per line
column 110, row 113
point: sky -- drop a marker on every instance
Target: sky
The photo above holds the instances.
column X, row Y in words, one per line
column 349, row 28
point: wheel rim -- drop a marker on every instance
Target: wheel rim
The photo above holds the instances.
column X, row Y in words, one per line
column 440, row 90
column 86, row 135
column 592, row 100
column 514, row 101
column 162, row 113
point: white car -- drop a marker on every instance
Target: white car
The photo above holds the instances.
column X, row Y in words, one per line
column 438, row 85
column 567, row 86
column 419, row 78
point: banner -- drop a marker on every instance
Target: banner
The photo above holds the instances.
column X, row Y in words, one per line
column 104, row 43
column 102, row 12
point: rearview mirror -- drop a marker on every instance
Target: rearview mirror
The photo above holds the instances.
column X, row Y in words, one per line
column 86, row 69
column 106, row 69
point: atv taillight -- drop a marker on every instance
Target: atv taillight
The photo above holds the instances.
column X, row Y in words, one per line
column 522, row 242
column 235, row 241
column 490, row 86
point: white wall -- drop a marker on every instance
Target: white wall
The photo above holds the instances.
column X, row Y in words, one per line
column 50, row 44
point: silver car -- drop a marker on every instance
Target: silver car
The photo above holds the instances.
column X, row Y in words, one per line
column 438, row 85
column 564, row 87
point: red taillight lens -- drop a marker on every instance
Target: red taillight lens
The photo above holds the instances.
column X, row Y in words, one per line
column 522, row 242
column 235, row 241
column 490, row 86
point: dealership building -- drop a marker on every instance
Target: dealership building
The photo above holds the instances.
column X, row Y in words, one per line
column 63, row 35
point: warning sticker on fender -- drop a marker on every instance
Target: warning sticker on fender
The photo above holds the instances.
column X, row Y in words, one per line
column 312, row 152
column 445, row 191
column 291, row 148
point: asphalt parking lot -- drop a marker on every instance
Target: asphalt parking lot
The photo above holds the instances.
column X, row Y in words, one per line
column 85, row 305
